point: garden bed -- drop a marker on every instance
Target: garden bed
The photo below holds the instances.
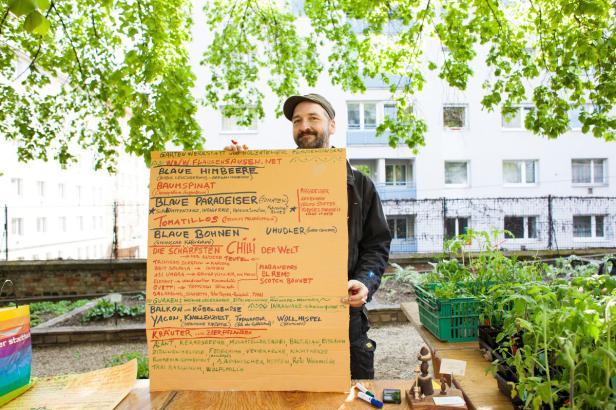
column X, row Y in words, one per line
column 104, row 313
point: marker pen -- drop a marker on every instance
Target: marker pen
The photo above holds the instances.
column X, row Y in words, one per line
column 370, row 400
column 363, row 389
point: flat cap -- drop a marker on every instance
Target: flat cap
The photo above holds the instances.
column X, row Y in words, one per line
column 291, row 103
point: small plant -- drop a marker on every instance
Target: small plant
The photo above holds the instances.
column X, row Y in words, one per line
column 105, row 310
column 142, row 362
column 407, row 275
column 38, row 310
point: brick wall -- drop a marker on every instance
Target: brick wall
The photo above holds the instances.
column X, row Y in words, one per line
column 35, row 279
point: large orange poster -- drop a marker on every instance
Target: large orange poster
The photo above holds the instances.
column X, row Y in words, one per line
column 247, row 265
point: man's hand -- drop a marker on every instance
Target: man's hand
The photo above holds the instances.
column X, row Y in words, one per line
column 358, row 294
column 236, row 147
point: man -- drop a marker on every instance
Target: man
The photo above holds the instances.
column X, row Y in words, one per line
column 313, row 119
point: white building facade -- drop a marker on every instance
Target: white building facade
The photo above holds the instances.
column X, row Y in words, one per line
column 73, row 213
column 477, row 170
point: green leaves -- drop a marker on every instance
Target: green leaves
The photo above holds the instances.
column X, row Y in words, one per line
column 121, row 79
column 36, row 23
column 557, row 53
column 22, row 7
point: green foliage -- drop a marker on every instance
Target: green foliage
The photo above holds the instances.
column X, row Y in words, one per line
column 105, row 310
column 143, row 371
column 39, row 309
column 93, row 69
column 558, row 53
column 559, row 341
column 406, row 275
column 555, row 333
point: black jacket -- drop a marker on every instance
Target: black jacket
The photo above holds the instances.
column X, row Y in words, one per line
column 369, row 236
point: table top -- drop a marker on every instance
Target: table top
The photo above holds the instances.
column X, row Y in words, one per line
column 480, row 387
column 141, row 398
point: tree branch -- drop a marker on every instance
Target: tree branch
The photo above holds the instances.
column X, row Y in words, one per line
column 6, row 13
column 545, row 63
column 70, row 40
column 416, row 49
column 38, row 50
column 94, row 27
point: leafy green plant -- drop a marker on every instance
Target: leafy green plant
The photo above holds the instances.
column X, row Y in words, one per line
column 406, row 275
column 143, row 371
column 565, row 353
column 38, row 310
column 105, row 310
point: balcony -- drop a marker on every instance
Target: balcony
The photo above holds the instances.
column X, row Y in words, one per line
column 396, row 192
column 366, row 137
column 408, row 245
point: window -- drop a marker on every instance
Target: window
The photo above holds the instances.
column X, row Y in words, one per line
column 361, row 116
column 588, row 226
column 455, row 226
column 80, row 222
column 93, row 222
column 41, row 224
column 454, row 117
column 515, row 120
column 389, row 110
column 61, row 190
column 62, row 223
column 78, row 192
column 589, row 171
column 18, row 186
column 456, row 173
column 40, row 188
column 522, row 227
column 17, row 226
column 521, row 172
column 401, row 227
column 574, row 116
column 395, row 174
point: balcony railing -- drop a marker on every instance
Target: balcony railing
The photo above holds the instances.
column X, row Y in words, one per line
column 389, row 192
column 408, row 245
column 366, row 137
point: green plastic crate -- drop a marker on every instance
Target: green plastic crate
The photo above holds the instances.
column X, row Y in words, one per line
column 450, row 320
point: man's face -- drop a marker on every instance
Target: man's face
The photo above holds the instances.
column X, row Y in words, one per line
column 312, row 126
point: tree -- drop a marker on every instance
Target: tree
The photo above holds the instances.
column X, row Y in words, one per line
column 559, row 53
column 91, row 65
column 72, row 72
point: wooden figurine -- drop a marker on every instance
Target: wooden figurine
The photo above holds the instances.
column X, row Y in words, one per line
column 443, row 386
column 424, row 381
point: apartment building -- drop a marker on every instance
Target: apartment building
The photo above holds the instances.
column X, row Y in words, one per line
column 73, row 213
column 477, row 170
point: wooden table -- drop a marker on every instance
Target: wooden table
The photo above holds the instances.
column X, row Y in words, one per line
column 480, row 389
column 141, row 398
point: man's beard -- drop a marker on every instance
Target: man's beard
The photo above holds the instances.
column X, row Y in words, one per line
column 304, row 140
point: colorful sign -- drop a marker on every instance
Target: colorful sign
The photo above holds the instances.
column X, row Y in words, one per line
column 247, row 266
column 15, row 352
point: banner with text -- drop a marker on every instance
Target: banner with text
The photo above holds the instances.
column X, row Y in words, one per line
column 247, row 265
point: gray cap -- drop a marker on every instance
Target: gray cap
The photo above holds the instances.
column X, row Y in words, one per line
column 291, row 103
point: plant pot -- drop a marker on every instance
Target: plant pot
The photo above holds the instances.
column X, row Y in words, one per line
column 506, row 388
column 488, row 334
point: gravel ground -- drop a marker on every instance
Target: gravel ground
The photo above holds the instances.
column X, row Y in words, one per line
column 395, row 358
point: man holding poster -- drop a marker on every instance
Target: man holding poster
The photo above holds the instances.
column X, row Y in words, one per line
column 313, row 119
